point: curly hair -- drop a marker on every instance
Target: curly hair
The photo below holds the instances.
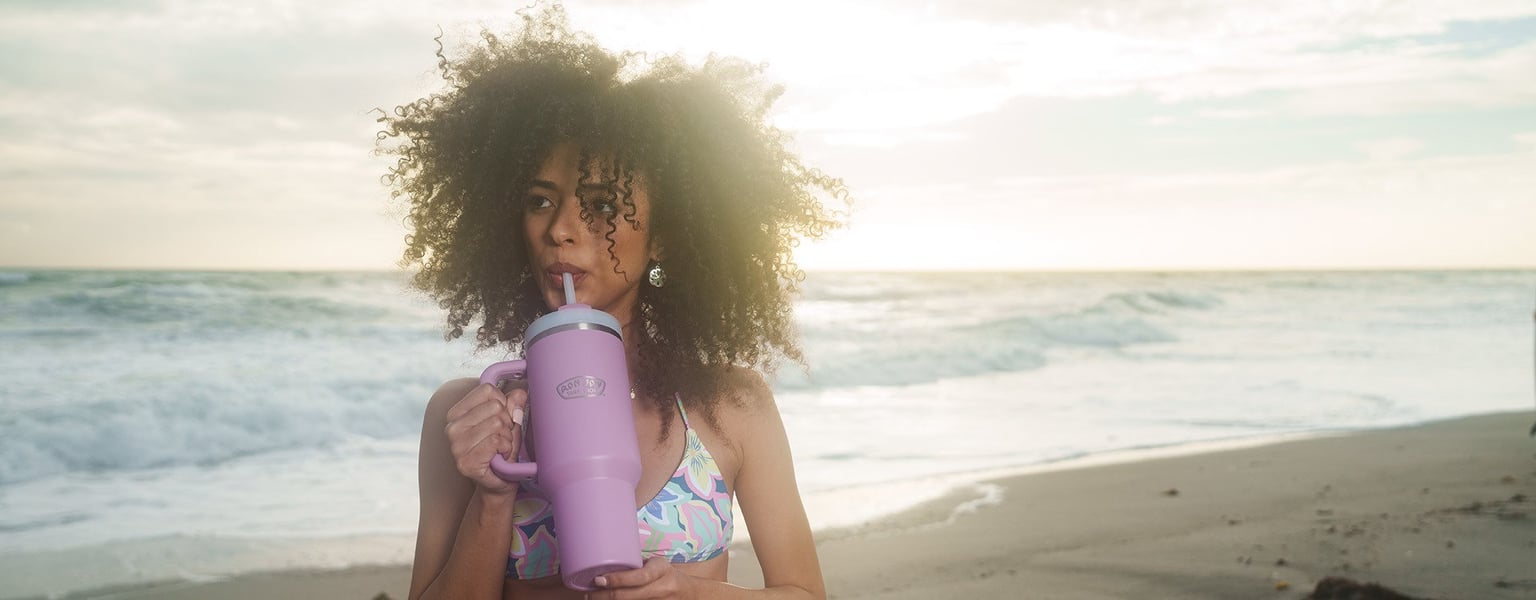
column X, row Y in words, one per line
column 728, row 200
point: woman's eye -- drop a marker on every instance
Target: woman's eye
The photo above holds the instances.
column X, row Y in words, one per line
column 606, row 207
column 535, row 202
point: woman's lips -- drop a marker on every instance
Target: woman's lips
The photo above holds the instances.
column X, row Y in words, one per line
column 557, row 271
column 559, row 280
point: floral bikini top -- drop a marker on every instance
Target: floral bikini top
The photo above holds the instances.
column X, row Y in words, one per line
column 688, row 521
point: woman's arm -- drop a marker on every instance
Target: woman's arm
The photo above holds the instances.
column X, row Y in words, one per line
column 770, row 501
column 465, row 529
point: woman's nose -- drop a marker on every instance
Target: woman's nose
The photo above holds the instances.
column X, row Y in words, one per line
column 567, row 224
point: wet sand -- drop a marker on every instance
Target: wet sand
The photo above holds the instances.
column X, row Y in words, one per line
column 1445, row 510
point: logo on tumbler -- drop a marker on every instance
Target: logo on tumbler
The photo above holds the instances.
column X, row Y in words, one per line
column 581, row 386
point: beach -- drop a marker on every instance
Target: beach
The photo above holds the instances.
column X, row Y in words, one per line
column 1442, row 510
column 1053, row 299
column 1013, row 410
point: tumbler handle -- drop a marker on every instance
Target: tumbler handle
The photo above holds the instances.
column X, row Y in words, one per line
column 509, row 470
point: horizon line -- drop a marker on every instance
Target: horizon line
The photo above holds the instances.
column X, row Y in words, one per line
column 927, row 271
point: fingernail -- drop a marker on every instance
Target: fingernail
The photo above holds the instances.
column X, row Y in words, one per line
column 517, row 416
column 600, row 581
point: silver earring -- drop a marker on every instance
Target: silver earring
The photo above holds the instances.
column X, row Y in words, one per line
column 656, row 276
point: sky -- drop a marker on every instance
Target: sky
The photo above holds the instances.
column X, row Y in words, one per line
column 973, row 134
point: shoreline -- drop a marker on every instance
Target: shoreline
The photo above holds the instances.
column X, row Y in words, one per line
column 1231, row 518
column 1445, row 509
column 227, row 558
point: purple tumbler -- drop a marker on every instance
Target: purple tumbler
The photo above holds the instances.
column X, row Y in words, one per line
column 582, row 433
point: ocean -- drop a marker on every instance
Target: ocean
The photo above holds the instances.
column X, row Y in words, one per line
column 192, row 425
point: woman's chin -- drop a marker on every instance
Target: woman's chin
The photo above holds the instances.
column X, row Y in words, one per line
column 552, row 300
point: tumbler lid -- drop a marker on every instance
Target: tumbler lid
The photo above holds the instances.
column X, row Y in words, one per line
column 571, row 316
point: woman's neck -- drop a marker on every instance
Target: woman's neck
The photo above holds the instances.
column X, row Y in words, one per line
column 630, row 330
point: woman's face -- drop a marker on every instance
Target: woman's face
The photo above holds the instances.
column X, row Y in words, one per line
column 559, row 241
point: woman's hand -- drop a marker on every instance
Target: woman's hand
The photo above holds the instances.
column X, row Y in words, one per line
column 483, row 423
column 656, row 579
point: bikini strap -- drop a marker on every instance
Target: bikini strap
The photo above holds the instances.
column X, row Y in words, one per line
column 682, row 412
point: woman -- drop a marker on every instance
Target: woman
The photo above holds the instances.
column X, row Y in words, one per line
column 675, row 208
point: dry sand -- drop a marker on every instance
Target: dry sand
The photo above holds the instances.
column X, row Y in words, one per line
column 1436, row 511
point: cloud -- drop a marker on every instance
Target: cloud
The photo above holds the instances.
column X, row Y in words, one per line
column 850, row 65
column 225, row 111
column 887, row 138
column 1390, row 149
column 1280, row 24
column 1327, row 59
column 1412, row 212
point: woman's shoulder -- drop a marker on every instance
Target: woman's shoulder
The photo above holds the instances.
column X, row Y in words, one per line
column 749, row 388
column 746, row 403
